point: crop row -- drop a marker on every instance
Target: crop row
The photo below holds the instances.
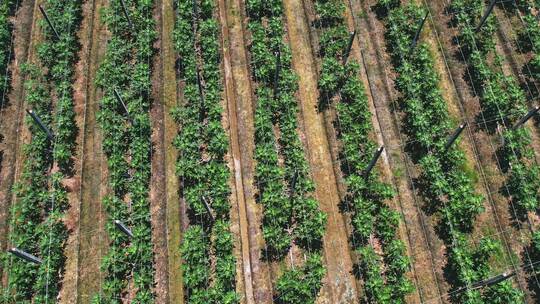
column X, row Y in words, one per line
column 500, row 97
column 385, row 279
column 42, row 200
column 446, row 184
column 7, row 8
column 529, row 41
column 290, row 212
column 209, row 265
column 126, row 142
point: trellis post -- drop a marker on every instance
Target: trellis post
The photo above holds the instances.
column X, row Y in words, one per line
column 121, row 101
column 25, row 256
column 419, row 31
column 454, row 136
column 349, row 46
column 373, row 161
column 293, row 184
column 44, row 13
column 40, row 123
column 126, row 13
column 525, row 118
column 208, row 209
column 486, row 15
column 277, row 73
column 123, row 228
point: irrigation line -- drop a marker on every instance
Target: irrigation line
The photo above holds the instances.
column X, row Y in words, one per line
column 498, row 162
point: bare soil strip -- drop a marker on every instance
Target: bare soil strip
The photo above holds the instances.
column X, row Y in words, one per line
column 68, row 293
column 339, row 283
column 11, row 115
column 92, row 241
column 240, row 110
column 240, row 218
column 158, row 179
column 172, row 202
column 483, row 145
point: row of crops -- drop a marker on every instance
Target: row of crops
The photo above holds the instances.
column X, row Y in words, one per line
column 447, row 187
column 529, row 41
column 209, row 265
column 502, row 95
column 383, row 273
column 126, row 68
column 7, row 8
column 530, row 35
column 290, row 212
column 37, row 216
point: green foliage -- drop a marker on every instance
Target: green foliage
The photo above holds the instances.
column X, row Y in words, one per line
column 127, row 145
column 448, row 188
column 202, row 144
column 501, row 96
column 288, row 216
column 38, row 210
column 301, row 285
column 6, row 10
column 366, row 198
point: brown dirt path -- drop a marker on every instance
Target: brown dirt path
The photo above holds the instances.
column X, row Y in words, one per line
column 11, row 116
column 239, row 211
column 68, row 294
column 240, row 110
column 92, row 241
column 172, row 202
column 339, row 283
column 158, row 180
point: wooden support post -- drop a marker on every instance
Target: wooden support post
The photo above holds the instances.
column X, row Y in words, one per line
column 486, row 15
column 525, row 118
column 373, row 161
column 419, row 31
column 126, row 13
column 454, row 136
column 25, row 256
column 349, row 47
column 208, row 209
column 123, row 228
column 41, row 125
column 276, row 73
column 44, row 13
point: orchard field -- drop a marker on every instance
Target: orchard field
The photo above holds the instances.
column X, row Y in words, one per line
column 270, row 151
